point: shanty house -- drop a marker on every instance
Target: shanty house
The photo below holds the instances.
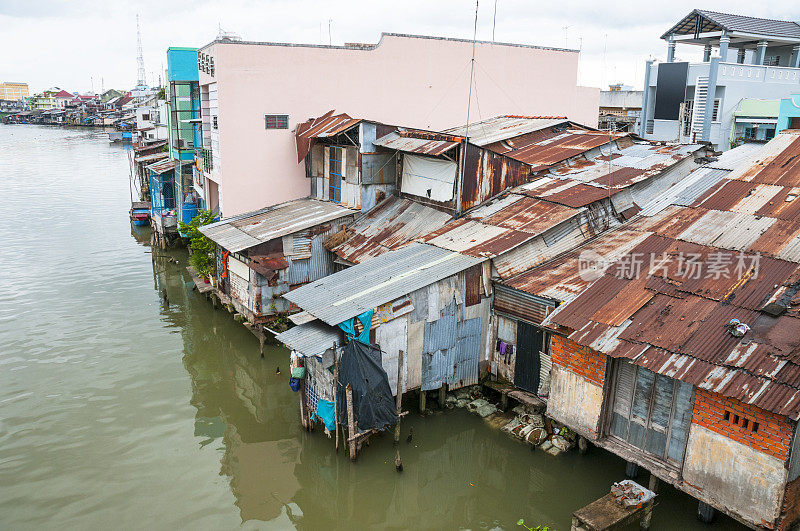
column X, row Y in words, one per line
column 566, row 205
column 430, row 303
column 342, row 163
column 262, row 255
column 674, row 338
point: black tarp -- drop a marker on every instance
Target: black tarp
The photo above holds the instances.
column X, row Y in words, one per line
column 373, row 403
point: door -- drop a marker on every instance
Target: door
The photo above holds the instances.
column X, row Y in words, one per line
column 527, row 366
column 794, row 123
column 335, row 175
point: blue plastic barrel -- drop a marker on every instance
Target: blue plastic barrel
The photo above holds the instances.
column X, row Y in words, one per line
column 188, row 212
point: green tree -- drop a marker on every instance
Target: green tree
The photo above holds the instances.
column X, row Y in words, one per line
column 202, row 248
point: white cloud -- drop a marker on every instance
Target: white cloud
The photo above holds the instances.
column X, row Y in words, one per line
column 69, row 44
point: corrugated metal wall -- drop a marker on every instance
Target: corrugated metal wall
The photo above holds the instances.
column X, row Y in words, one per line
column 486, row 174
column 520, row 304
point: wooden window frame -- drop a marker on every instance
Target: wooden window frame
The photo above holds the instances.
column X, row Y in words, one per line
column 651, row 400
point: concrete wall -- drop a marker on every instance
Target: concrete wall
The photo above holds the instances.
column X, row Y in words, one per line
column 736, row 477
column 411, row 81
column 575, row 401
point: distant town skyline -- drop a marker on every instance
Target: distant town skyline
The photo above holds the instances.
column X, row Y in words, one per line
column 84, row 46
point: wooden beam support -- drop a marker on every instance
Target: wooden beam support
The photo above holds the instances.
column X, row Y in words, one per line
column 351, row 422
column 399, row 400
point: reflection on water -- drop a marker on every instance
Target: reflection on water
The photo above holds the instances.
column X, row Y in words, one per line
column 119, row 408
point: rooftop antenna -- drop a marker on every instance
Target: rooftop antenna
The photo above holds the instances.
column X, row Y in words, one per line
column 330, row 42
column 472, row 68
column 566, row 33
column 494, row 19
column 142, row 77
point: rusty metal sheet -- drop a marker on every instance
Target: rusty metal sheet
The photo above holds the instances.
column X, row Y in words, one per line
column 776, row 237
column 781, row 168
column 500, row 225
column 670, row 222
column 567, row 276
column 526, row 214
column 551, row 151
column 391, row 225
column 421, row 142
column 506, row 127
column 487, row 174
column 326, row 125
column 785, row 204
column 162, row 166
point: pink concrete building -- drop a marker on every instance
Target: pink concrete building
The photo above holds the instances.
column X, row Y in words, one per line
column 253, row 95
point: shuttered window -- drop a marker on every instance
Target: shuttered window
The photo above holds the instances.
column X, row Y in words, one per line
column 651, row 411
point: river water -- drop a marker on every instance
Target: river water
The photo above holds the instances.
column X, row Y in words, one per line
column 118, row 410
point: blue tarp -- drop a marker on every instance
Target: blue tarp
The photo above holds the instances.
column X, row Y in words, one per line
column 349, row 327
column 325, row 413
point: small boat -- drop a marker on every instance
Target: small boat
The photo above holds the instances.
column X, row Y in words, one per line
column 140, row 213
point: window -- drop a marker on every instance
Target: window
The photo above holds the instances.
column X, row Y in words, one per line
column 688, row 107
column 773, row 60
column 276, row 121
column 715, row 112
column 214, row 122
column 335, row 174
column 145, row 117
column 651, row 411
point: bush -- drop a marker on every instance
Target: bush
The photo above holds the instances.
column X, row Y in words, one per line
column 202, row 249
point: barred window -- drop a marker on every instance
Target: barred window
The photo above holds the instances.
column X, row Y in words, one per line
column 276, row 121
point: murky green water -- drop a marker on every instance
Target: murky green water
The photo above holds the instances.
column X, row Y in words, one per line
column 117, row 411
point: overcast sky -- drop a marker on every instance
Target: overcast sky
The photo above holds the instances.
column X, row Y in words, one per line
column 77, row 44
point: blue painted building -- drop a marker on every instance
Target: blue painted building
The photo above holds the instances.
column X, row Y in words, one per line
column 789, row 113
column 183, row 101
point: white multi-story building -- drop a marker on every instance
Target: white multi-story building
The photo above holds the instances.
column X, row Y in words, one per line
column 743, row 58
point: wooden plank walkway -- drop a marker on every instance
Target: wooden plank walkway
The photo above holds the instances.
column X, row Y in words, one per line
column 201, row 285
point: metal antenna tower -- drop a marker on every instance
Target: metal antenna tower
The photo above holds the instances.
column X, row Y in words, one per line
column 141, row 75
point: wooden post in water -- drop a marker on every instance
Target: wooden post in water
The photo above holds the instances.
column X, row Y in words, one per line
column 351, row 422
column 421, row 402
column 442, row 395
column 336, row 395
column 303, row 414
column 399, row 395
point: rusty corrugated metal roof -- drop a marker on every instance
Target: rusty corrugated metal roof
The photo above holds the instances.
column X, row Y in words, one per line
column 421, row 142
column 500, row 225
column 326, row 125
column 162, row 166
column 550, row 151
column 673, row 320
column 252, row 228
column 502, row 128
column 390, row 225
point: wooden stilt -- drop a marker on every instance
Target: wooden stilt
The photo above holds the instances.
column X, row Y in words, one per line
column 442, row 395
column 336, row 395
column 399, row 397
column 583, row 444
column 422, row 402
column 303, row 407
column 261, row 339
column 351, row 422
